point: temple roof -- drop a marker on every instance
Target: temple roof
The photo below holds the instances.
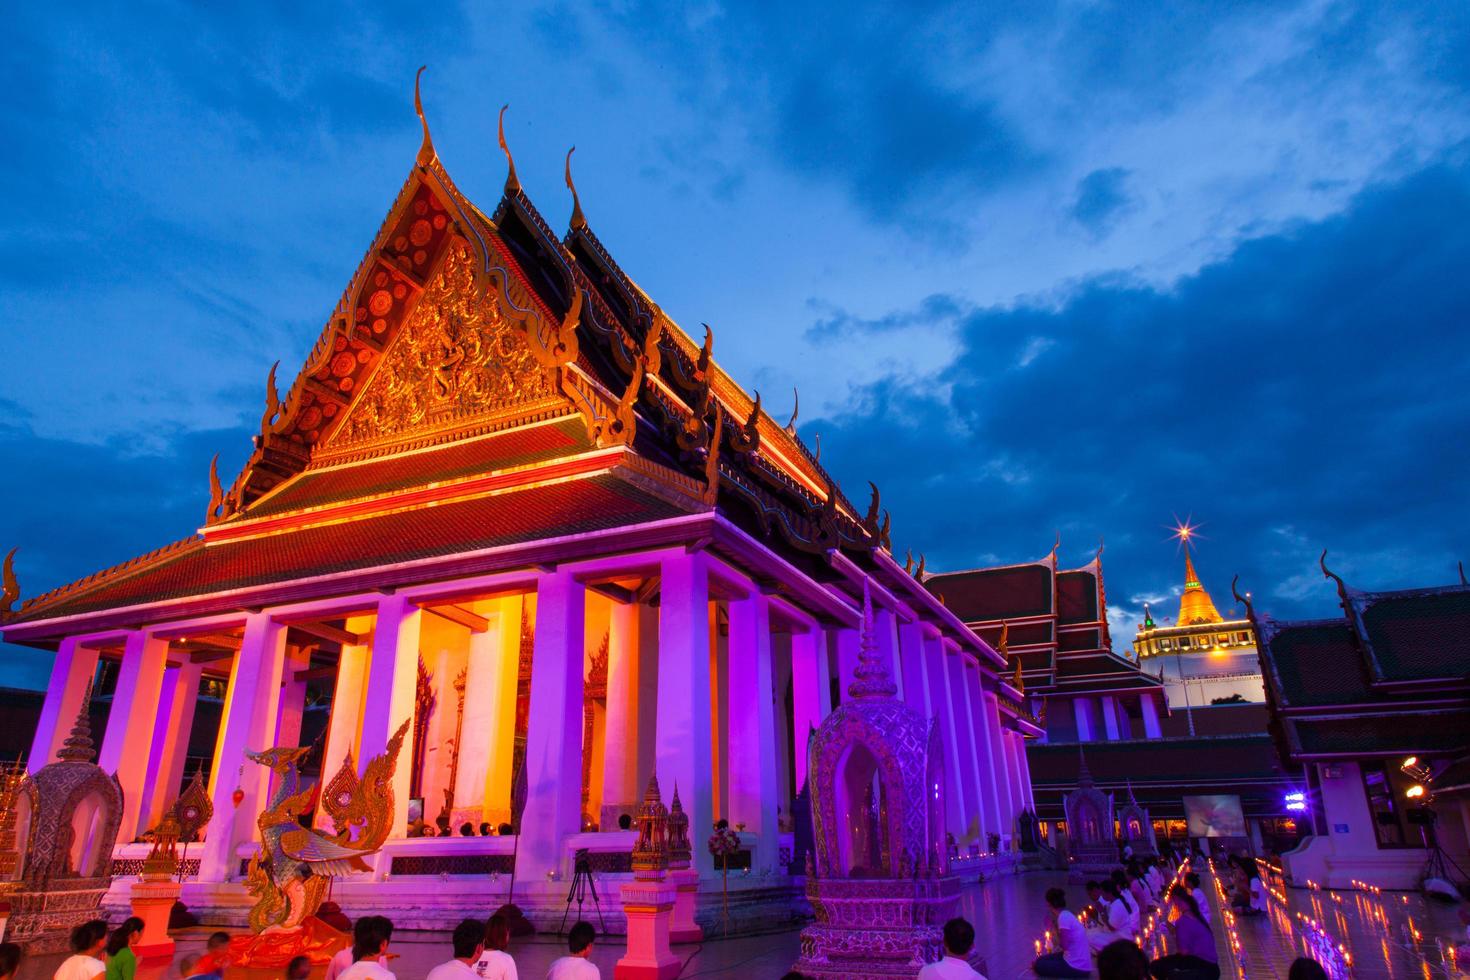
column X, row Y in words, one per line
column 1195, row 605
column 1391, row 676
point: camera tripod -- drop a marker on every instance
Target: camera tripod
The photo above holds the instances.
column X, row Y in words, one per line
column 582, row 885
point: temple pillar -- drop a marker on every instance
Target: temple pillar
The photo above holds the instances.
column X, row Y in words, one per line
column 71, row 677
column 247, row 720
column 684, row 738
column 977, row 816
column 1000, row 779
column 846, row 642
column 483, row 721
column 554, row 735
column 647, row 688
column 941, row 701
column 719, row 701
column 780, row 684
column 344, row 725
column 390, row 696
column 885, row 638
column 490, row 706
column 1150, row 709
column 910, row 664
column 177, row 701
column 293, row 696
column 620, row 732
column 125, row 747
column 1082, row 707
column 752, row 732
column 1110, row 717
column 811, row 692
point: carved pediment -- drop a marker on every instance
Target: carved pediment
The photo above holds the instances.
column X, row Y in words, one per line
column 457, row 358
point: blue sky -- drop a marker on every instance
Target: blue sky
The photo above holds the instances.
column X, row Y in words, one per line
column 1078, row 267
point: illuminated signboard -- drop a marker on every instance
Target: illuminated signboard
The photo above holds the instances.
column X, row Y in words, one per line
column 1296, row 802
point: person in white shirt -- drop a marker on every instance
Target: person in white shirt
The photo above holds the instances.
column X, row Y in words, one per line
column 468, row 940
column 1074, row 959
column 85, row 961
column 1155, row 881
column 370, row 951
column 343, row 959
column 1115, row 924
column 577, row 965
column 1135, row 911
column 495, row 963
column 959, row 939
column 1192, row 880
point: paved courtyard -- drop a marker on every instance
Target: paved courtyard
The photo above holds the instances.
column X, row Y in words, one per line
column 1387, row 936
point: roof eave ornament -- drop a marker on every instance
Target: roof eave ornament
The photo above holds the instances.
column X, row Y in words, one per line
column 9, row 585
column 1244, row 600
column 1342, row 591
column 512, row 182
column 579, row 220
column 427, row 154
column 795, row 410
column 712, row 460
column 919, row 572
column 870, row 520
column 1463, row 580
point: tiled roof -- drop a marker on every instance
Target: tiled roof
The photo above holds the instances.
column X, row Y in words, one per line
column 1077, row 597
column 1169, row 761
column 1315, row 663
column 518, row 447
column 996, row 593
column 1419, row 635
column 1405, row 733
column 552, row 510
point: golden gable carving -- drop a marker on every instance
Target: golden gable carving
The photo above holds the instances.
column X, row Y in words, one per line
column 457, row 358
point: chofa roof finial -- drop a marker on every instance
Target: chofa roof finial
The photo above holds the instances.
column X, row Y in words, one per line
column 426, row 148
column 1244, row 600
column 9, row 585
column 512, row 182
column 578, row 219
column 1341, row 587
column 795, row 408
column 1463, row 580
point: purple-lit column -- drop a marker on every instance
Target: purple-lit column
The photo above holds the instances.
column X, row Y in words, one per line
column 554, row 735
column 1150, row 709
column 1004, row 806
column 683, row 741
column 1082, row 708
column 955, row 813
column 1110, row 717
column 846, row 643
column 75, row 666
column 125, row 748
column 620, row 791
column 811, row 692
column 978, row 801
column 170, row 747
column 752, row 724
column 911, row 664
column 388, row 700
column 885, row 636
column 247, row 721
column 987, row 753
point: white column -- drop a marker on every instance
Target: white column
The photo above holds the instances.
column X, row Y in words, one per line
column 966, row 718
column 847, row 642
column 293, row 697
column 344, row 724
column 647, row 687
column 75, row 666
column 942, row 701
column 752, row 724
column 247, row 720
column 885, row 637
column 389, row 698
column 1004, row 807
column 170, row 747
column 620, row 791
column 125, row 748
column 1018, row 773
column 1110, row 717
column 915, row 676
column 683, row 754
column 554, row 735
column 811, row 692
column 1082, row 707
column 1150, row 708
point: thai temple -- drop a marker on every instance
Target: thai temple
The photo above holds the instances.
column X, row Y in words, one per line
column 512, row 519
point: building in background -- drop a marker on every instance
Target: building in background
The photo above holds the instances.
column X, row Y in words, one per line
column 1208, row 762
column 1374, row 708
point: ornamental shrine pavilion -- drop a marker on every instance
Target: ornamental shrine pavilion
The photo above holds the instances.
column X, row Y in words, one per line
column 507, row 500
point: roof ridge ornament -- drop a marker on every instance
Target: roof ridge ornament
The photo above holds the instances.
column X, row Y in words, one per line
column 1245, row 600
column 712, row 459
column 795, row 408
column 427, row 153
column 512, row 182
column 1463, row 580
column 919, row 572
column 870, row 521
column 9, row 585
column 578, row 220
column 1342, row 591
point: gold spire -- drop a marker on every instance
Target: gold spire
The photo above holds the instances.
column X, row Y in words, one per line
column 1195, row 605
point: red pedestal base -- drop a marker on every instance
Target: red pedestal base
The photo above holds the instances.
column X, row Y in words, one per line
column 683, row 928
column 649, row 906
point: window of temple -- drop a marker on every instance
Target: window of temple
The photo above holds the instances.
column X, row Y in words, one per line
column 1383, row 802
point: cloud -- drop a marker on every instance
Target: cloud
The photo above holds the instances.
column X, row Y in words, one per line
column 1309, row 390
column 1102, row 198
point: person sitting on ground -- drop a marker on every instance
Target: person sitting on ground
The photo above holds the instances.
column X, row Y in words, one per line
column 505, row 830
column 1074, row 959
column 1155, row 878
column 299, row 968
column 211, row 966
column 468, row 942
column 9, row 960
column 577, row 965
column 1097, row 908
column 1196, row 955
column 1305, row 968
column 959, row 939
column 1135, row 911
column 85, row 962
column 494, row 962
column 122, row 964
column 1138, row 890
column 1250, row 891
column 466, row 829
column 625, row 821
column 1114, row 922
column 1192, row 880
column 343, row 958
column 1122, row 960
column 370, row 951
column 486, row 830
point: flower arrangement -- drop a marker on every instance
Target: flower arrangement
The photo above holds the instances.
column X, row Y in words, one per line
column 724, row 843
